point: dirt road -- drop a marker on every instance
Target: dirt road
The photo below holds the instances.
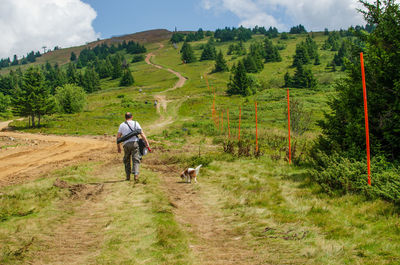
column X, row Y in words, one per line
column 165, row 119
column 41, row 153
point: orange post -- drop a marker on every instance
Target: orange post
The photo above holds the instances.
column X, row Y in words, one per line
column 288, row 107
column 256, row 129
column 222, row 122
column 366, row 117
column 205, row 77
column 240, row 116
column 229, row 127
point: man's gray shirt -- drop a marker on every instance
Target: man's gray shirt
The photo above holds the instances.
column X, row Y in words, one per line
column 124, row 130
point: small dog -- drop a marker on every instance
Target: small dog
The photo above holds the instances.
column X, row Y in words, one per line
column 190, row 173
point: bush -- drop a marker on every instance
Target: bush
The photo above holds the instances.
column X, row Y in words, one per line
column 338, row 174
column 70, row 98
column 138, row 58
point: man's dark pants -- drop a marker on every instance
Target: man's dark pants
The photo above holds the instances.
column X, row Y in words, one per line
column 131, row 150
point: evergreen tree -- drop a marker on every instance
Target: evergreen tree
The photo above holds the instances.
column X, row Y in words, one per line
column 5, row 101
column 271, row 52
column 239, row 83
column 209, row 52
column 177, row 37
column 250, row 64
column 298, row 29
column 33, row 98
column 90, row 81
column 73, row 57
column 187, row 53
column 220, row 63
column 15, row 60
column 301, row 57
column 127, row 78
column 116, row 62
column 317, row 61
column 303, row 78
column 72, row 74
column 288, row 80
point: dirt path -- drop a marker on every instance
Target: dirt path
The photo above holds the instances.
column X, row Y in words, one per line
column 212, row 241
column 49, row 151
column 210, row 236
column 182, row 79
column 164, row 119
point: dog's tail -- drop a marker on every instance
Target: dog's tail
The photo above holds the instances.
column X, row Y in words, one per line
column 197, row 169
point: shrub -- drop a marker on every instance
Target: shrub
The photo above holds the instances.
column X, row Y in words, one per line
column 70, row 98
column 138, row 58
column 338, row 174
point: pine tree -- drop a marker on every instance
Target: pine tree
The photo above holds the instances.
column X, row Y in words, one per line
column 303, row 78
column 15, row 60
column 72, row 74
column 116, row 62
column 187, row 53
column 271, row 52
column 209, row 53
column 301, row 57
column 127, row 78
column 90, row 81
column 220, row 63
column 239, row 83
column 33, row 98
column 73, row 57
column 250, row 64
column 5, row 101
column 317, row 61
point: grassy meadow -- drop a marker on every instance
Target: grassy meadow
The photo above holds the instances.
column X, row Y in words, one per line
column 273, row 208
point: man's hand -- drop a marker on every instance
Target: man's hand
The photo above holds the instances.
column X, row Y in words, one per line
column 119, row 148
column 148, row 148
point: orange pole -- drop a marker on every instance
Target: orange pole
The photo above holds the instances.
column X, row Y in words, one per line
column 240, row 116
column 229, row 127
column 208, row 86
column 366, row 117
column 256, row 129
column 290, row 148
column 222, row 121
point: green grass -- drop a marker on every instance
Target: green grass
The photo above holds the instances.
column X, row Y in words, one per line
column 136, row 222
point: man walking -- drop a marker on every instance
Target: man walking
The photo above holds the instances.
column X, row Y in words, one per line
column 131, row 146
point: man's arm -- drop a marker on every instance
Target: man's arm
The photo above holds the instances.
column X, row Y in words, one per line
column 119, row 135
column 145, row 140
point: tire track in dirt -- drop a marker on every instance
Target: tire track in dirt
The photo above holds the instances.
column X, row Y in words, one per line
column 21, row 163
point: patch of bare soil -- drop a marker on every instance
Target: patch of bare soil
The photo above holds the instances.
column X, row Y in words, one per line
column 79, row 191
column 32, row 155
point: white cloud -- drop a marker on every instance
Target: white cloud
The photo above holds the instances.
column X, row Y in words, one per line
column 27, row 25
column 314, row 14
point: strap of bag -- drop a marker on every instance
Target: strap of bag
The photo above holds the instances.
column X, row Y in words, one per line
column 127, row 123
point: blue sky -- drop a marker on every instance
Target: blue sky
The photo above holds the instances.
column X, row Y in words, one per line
column 124, row 16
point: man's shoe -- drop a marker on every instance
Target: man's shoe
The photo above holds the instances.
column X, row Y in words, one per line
column 128, row 178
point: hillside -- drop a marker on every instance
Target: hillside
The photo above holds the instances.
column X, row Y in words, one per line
column 73, row 206
column 62, row 56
